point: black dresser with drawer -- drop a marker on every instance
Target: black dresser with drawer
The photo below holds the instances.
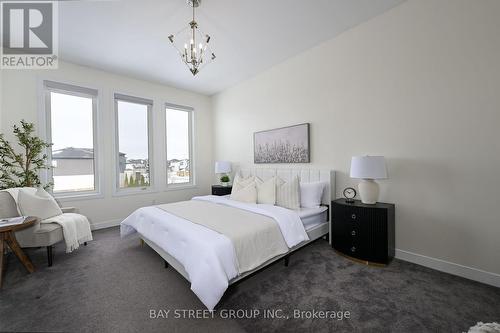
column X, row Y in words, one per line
column 364, row 232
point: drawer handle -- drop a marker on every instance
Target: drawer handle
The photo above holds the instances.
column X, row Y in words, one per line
column 353, row 249
column 353, row 216
column 353, row 233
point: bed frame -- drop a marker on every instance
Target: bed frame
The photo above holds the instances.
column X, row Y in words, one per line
column 321, row 230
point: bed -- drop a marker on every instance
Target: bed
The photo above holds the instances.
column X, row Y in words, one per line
column 209, row 259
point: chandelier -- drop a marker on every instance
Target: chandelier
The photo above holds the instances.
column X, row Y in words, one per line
column 192, row 44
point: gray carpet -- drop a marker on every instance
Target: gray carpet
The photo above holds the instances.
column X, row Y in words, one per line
column 111, row 285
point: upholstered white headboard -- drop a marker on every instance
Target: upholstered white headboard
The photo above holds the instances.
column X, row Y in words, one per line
column 305, row 175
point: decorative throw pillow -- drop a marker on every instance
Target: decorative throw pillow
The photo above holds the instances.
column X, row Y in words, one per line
column 39, row 204
column 310, row 194
column 266, row 191
column 8, row 207
column 240, row 182
column 246, row 194
column 288, row 193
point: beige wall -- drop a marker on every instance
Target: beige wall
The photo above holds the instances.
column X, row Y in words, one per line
column 419, row 84
column 21, row 101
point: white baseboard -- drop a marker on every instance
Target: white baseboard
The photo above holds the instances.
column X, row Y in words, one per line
column 105, row 224
column 470, row 273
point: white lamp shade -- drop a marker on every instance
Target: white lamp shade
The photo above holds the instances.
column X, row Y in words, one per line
column 222, row 167
column 368, row 167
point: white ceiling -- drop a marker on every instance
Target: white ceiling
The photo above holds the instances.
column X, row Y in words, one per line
column 130, row 36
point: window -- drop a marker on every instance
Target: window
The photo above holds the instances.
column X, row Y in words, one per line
column 71, row 127
column 133, row 148
column 179, row 144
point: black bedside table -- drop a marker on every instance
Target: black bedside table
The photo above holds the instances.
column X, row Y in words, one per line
column 221, row 190
column 365, row 233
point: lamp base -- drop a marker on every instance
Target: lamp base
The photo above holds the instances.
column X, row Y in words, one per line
column 368, row 191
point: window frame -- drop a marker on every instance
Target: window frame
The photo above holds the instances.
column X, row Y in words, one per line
column 191, row 112
column 49, row 87
column 117, row 190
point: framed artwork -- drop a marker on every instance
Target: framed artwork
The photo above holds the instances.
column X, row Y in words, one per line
column 282, row 145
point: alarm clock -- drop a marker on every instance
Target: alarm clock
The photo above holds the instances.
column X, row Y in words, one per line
column 349, row 194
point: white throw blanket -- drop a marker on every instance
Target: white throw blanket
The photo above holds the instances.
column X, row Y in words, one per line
column 75, row 227
column 207, row 256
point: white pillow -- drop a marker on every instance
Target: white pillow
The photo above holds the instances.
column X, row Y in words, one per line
column 39, row 204
column 310, row 194
column 288, row 193
column 240, row 183
column 246, row 194
column 266, row 191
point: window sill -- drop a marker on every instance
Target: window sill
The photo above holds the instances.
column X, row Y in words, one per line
column 67, row 197
column 136, row 191
column 181, row 187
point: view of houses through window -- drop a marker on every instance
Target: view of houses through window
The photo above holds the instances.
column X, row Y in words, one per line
column 133, row 144
column 72, row 135
column 71, row 122
column 178, row 146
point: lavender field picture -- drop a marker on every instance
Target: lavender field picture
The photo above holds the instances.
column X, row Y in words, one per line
column 282, row 145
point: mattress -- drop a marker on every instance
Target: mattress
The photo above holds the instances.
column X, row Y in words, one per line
column 312, row 217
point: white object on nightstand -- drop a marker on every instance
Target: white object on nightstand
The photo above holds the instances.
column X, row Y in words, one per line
column 223, row 168
column 368, row 168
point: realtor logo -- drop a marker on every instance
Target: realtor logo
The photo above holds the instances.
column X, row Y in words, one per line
column 29, row 34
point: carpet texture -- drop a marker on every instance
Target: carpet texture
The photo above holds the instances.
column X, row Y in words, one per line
column 112, row 284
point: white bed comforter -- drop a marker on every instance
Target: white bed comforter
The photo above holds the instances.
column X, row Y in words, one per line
column 208, row 257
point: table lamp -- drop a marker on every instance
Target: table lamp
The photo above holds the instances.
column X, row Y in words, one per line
column 368, row 168
column 223, row 168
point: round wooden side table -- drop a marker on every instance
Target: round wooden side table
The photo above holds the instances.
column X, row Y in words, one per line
column 7, row 237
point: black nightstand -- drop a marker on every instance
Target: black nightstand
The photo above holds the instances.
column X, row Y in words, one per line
column 221, row 190
column 364, row 232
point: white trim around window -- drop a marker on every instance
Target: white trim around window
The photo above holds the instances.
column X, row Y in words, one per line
column 151, row 188
column 46, row 87
column 192, row 161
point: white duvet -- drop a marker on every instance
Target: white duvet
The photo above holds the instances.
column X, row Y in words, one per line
column 208, row 257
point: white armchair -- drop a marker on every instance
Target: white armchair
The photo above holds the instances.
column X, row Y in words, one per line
column 43, row 233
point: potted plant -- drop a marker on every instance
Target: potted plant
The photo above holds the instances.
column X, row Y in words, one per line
column 19, row 167
column 224, row 180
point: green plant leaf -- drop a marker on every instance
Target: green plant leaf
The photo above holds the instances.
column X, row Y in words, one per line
column 19, row 166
